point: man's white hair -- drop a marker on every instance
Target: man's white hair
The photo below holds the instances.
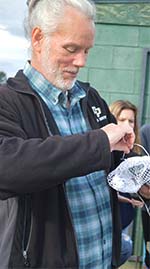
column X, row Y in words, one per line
column 46, row 14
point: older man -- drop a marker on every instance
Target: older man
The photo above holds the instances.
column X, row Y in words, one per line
column 56, row 139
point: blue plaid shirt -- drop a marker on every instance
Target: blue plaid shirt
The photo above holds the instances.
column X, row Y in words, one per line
column 88, row 196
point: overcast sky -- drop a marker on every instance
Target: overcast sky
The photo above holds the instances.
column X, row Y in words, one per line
column 13, row 44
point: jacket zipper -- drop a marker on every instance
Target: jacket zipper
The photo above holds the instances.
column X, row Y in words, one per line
column 25, row 246
column 25, row 249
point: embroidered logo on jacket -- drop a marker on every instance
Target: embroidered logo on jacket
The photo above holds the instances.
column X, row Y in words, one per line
column 97, row 111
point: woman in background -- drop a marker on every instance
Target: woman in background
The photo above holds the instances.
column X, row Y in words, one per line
column 126, row 112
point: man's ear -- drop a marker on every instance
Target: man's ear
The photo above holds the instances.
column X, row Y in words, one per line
column 37, row 39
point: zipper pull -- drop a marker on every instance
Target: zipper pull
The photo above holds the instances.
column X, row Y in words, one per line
column 26, row 262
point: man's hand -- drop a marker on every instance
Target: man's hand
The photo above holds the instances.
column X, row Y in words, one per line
column 137, row 203
column 120, row 137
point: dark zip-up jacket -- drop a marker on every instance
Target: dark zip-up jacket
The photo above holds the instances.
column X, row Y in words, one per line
column 36, row 230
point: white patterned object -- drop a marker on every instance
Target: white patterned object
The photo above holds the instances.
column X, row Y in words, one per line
column 131, row 174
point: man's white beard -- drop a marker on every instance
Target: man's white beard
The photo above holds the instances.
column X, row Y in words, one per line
column 58, row 81
column 54, row 75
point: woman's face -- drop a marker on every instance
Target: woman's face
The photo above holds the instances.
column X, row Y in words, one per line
column 127, row 116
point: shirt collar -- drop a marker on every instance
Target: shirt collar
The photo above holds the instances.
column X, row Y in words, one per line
column 41, row 85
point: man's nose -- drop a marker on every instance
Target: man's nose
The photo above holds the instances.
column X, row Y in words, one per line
column 80, row 59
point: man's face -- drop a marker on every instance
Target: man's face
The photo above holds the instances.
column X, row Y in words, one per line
column 65, row 52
